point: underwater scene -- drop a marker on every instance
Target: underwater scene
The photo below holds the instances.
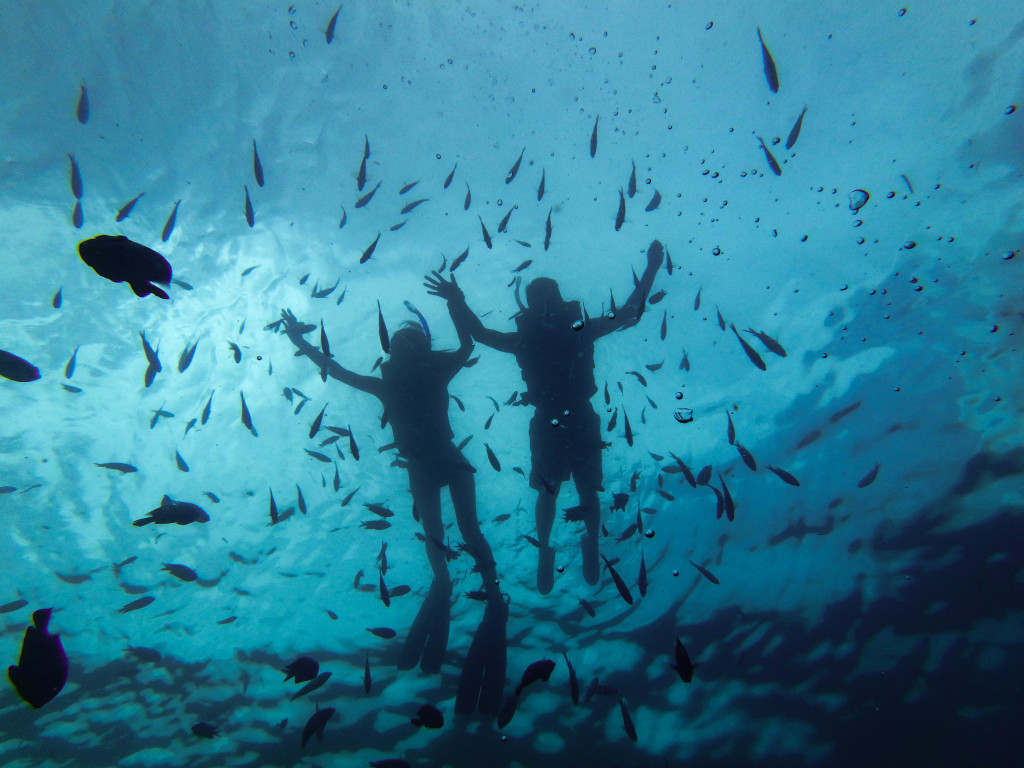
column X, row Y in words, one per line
column 511, row 384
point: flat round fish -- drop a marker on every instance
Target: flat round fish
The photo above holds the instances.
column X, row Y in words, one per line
column 42, row 668
column 121, row 260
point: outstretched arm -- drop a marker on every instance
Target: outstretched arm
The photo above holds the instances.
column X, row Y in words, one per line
column 295, row 330
column 466, row 323
column 629, row 313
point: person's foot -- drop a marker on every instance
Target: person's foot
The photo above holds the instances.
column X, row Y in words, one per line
column 591, row 565
column 545, row 570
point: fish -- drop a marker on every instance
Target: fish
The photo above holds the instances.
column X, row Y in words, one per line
column 504, row 221
column 487, row 235
column 408, row 187
column 655, row 202
column 772, row 162
column 538, row 670
column 448, row 179
column 382, row 331
column 246, row 417
column 76, row 178
column 385, row 633
column 770, row 344
column 316, row 724
column 375, row 525
column 620, row 216
column 363, row 201
column 390, row 762
column 165, row 235
column 126, row 209
column 412, row 206
column 547, row 230
column 627, row 722
column 380, row 510
column 428, row 716
column 77, row 217
column 574, row 683
column 13, row 606
column 369, row 250
column 507, row 710
column 185, row 359
column 361, row 176
column 705, row 573
column 250, row 215
column 492, row 458
column 628, row 429
column 257, row 166
column 181, row 462
column 367, row 682
column 619, row 501
column 153, row 359
column 842, row 413
column 16, row 368
column 347, row 499
column 58, row 298
column 181, row 572
column 204, row 730
column 593, row 137
column 664, row 327
column 82, row 110
column 318, row 456
column 118, row 466
column 619, row 583
column 176, row 512
column 751, row 353
column 696, row 301
column 783, row 475
column 317, row 682
column 316, row 422
column 303, row 669
column 42, row 668
column 341, row 224
column 683, row 664
column 514, row 170
column 135, row 605
column 121, row 260
column 631, row 185
column 206, row 410
column 869, row 478
column 641, row 581
column 212, row 497
column 721, row 320
column 770, row 73
column 747, row 456
column 540, row 187
column 730, row 429
column 459, row 259
column 69, row 388
column 729, row 504
column 795, row 131
column 329, row 32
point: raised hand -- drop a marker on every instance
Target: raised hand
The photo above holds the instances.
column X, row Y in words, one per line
column 292, row 324
column 438, row 286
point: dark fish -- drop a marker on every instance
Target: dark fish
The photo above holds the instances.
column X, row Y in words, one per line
column 118, row 466
column 795, row 131
column 401, row 589
column 655, row 202
column 747, row 456
column 329, row 32
column 365, row 199
column 412, row 206
column 246, row 418
column 341, row 224
column 492, row 458
column 121, row 260
column 696, row 301
column 705, row 573
column 538, row 670
column 809, row 438
column 428, row 716
column 380, row 510
column 182, row 572
column 593, row 139
column 587, row 607
column 375, row 525
column 459, row 259
column 176, row 512
column 772, row 162
column 627, row 722
column 169, row 226
column 369, row 250
column 770, row 74
column 631, row 186
column 257, row 166
column 69, row 388
column 619, row 501
column 135, row 605
column 316, row 422
column 770, row 344
column 126, row 209
column 508, row 710
column 16, row 368
column 408, row 187
column 783, row 475
column 869, row 478
column 181, row 462
column 641, row 581
column 317, row 682
column 303, row 669
column 657, row 296
column 727, row 501
column 316, row 723
column 58, row 298
column 487, row 235
column 448, row 180
column 382, row 331
column 574, row 684
column 318, row 456
column 547, row 230
column 664, row 327
column 751, row 353
column 504, row 222
column 540, row 187
column 385, row 633
column 82, row 110
column 42, row 668
column 347, row 499
column 76, row 178
column 683, row 664
column 206, row 410
column 250, row 216
column 721, row 320
column 730, row 429
column 204, row 730
column 704, row 476
column 367, row 681
column 620, row 216
column 361, row 176
column 185, row 358
column 515, row 169
column 77, row 217
column 844, row 412
column 628, row 429
column 619, row 583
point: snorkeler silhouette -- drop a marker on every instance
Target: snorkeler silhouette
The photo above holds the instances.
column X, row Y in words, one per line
column 413, row 388
column 554, row 346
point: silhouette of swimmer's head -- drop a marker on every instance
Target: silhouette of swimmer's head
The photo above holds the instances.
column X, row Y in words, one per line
column 409, row 343
column 542, row 294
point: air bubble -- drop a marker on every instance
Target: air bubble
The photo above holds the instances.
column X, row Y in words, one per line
column 858, row 198
column 578, row 325
column 610, row 315
column 560, row 569
column 675, row 573
column 592, row 51
column 910, row 244
column 649, row 533
column 683, row 415
column 679, row 395
column 717, row 251
column 554, row 422
column 1010, row 109
column 709, row 25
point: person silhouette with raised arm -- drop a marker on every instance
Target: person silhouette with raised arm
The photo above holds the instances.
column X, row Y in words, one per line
column 413, row 389
column 554, row 346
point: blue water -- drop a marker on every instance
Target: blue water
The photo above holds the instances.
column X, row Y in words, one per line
column 852, row 626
